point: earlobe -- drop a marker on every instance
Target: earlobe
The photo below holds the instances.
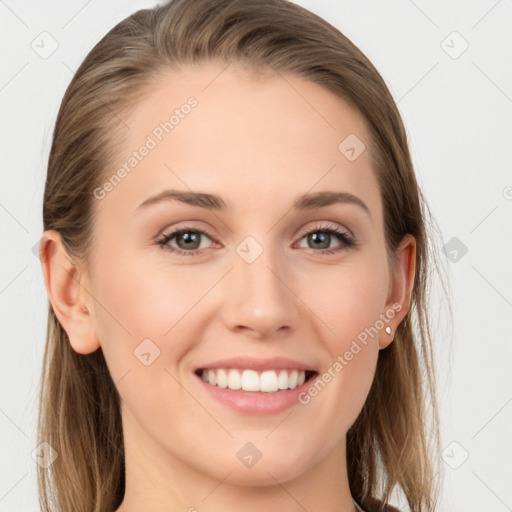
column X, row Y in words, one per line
column 401, row 286
column 63, row 281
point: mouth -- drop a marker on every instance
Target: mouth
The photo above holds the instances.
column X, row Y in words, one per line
column 248, row 380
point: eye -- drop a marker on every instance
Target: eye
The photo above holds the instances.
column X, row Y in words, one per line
column 323, row 241
column 187, row 238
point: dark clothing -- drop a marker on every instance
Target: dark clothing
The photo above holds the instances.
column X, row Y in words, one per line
column 373, row 504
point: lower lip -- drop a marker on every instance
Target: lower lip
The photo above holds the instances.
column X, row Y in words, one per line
column 257, row 402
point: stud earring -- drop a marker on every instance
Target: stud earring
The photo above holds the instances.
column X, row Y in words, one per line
column 388, row 329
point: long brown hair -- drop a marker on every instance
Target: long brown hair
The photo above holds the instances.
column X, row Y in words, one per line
column 390, row 445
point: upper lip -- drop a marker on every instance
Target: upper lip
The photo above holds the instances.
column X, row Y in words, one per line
column 251, row 363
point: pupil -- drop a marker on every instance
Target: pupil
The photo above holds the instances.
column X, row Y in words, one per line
column 189, row 238
column 323, row 236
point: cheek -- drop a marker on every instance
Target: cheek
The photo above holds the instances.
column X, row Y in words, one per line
column 348, row 300
column 136, row 302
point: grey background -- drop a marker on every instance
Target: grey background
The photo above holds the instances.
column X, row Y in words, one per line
column 457, row 110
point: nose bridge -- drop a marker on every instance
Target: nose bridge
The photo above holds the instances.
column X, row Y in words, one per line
column 258, row 296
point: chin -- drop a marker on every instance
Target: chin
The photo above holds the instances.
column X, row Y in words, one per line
column 275, row 465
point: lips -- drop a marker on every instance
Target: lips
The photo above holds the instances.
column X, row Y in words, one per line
column 247, row 374
column 255, row 386
column 259, row 365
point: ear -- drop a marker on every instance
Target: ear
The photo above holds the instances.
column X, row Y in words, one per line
column 70, row 300
column 400, row 288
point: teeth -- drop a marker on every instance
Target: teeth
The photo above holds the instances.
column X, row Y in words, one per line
column 234, row 380
column 222, row 379
column 268, row 381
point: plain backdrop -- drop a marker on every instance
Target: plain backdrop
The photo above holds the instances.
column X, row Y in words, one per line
column 448, row 66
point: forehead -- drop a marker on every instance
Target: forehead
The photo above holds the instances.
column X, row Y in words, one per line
column 248, row 136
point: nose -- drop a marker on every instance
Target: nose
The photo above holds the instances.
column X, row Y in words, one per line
column 258, row 297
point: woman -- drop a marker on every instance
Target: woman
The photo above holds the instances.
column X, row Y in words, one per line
column 201, row 353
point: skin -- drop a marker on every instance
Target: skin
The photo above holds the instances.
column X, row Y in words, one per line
column 254, row 141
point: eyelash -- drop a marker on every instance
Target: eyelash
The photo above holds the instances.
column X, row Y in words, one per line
column 348, row 241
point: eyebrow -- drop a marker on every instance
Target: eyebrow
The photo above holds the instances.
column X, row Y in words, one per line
column 214, row 202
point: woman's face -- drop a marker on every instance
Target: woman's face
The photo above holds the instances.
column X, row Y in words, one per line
column 255, row 274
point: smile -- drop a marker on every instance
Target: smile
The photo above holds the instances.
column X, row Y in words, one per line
column 268, row 381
